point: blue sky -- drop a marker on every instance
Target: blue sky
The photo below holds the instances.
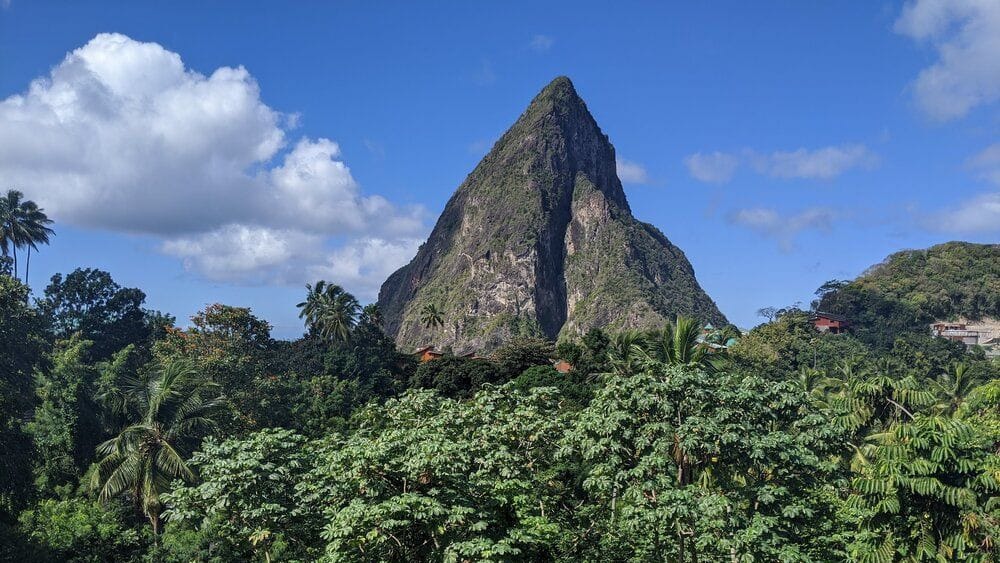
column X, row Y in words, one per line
column 779, row 145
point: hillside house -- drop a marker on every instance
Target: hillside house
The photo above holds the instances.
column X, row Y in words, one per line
column 985, row 333
column 427, row 353
column 829, row 322
column 562, row 366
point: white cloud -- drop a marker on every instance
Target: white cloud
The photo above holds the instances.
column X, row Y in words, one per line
column 630, row 172
column 819, row 164
column 784, row 228
column 986, row 164
column 541, row 43
column 978, row 215
column 823, row 164
column 246, row 254
column 716, row 167
column 122, row 136
column 966, row 36
column 365, row 263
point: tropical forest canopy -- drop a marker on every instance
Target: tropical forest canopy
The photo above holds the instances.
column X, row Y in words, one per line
column 126, row 438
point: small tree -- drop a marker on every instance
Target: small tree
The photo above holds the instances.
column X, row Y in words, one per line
column 431, row 316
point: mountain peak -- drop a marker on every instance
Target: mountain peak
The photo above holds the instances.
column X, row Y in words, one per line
column 560, row 90
column 539, row 239
column 558, row 98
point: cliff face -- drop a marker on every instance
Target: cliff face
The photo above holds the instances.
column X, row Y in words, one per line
column 539, row 239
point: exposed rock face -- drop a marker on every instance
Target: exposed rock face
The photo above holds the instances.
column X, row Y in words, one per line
column 539, row 239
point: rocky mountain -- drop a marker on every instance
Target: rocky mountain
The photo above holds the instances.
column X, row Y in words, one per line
column 539, row 239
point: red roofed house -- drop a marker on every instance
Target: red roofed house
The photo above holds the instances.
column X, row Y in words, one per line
column 562, row 366
column 829, row 322
column 427, row 353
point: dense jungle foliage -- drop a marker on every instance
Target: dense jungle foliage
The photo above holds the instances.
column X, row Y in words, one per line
column 126, row 438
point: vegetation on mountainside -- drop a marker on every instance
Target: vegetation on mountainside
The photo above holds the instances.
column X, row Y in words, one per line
column 915, row 287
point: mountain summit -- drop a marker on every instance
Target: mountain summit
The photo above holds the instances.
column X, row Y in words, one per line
column 539, row 239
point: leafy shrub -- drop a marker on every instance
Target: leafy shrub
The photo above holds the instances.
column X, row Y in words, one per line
column 80, row 530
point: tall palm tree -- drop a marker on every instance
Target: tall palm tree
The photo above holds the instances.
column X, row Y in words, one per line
column 311, row 308
column 22, row 225
column 329, row 311
column 373, row 314
column 35, row 226
column 170, row 412
column 431, row 316
column 9, row 206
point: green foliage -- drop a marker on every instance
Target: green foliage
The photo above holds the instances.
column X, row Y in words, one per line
column 455, row 377
column 230, row 347
column 88, row 301
column 790, row 445
column 235, row 476
column 317, row 384
column 522, row 353
column 704, row 467
column 21, row 349
column 80, row 530
column 573, row 387
column 928, row 490
column 425, row 478
column 589, row 355
column 65, row 426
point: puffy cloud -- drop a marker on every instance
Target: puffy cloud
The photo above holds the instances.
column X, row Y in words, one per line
column 819, row 164
column 979, row 215
column 784, row 228
column 541, row 43
column 120, row 135
column 366, row 262
column 631, row 172
column 247, row 254
column 966, row 35
column 716, row 167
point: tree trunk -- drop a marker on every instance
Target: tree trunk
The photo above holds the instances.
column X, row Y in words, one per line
column 15, row 258
column 154, row 519
column 27, row 266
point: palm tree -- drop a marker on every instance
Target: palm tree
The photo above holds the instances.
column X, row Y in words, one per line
column 9, row 205
column 953, row 389
column 626, row 352
column 329, row 311
column 311, row 308
column 35, row 226
column 22, row 225
column 170, row 412
column 373, row 313
column 431, row 316
column 678, row 344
